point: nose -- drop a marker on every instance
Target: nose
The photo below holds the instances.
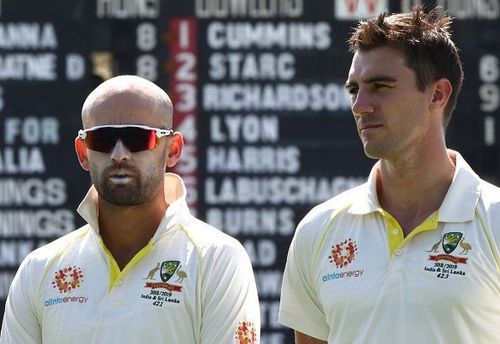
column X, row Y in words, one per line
column 120, row 152
column 362, row 104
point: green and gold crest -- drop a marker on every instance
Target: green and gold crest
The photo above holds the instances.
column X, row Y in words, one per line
column 450, row 241
column 168, row 269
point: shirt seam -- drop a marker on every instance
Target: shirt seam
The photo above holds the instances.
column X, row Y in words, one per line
column 489, row 240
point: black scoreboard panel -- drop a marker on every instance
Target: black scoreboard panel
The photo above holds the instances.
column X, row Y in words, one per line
column 259, row 97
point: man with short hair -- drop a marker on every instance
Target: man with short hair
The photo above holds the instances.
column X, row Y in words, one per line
column 143, row 270
column 411, row 256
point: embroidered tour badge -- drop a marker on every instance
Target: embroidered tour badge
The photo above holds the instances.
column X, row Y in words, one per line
column 447, row 264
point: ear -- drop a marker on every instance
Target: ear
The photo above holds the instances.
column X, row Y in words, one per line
column 81, row 152
column 174, row 149
column 442, row 91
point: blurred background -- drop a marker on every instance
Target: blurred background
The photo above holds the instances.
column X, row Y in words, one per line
column 258, row 90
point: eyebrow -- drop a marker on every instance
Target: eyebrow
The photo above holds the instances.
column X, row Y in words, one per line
column 373, row 79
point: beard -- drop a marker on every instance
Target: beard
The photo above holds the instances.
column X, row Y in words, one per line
column 142, row 188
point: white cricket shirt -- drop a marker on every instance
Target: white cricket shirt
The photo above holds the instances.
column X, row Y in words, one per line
column 190, row 284
column 351, row 276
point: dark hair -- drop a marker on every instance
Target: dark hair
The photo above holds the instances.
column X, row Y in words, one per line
column 425, row 42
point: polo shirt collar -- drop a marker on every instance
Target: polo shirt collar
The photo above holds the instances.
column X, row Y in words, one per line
column 366, row 200
column 175, row 196
column 459, row 204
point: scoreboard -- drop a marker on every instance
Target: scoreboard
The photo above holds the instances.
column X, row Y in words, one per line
column 258, row 91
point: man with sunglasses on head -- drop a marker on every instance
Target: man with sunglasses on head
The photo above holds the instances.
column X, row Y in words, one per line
column 143, row 270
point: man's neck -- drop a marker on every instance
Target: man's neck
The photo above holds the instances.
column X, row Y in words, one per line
column 414, row 187
column 126, row 230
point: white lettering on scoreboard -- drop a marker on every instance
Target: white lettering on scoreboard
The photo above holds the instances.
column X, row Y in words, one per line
column 472, row 9
column 20, row 59
column 32, row 192
column 269, row 314
column 250, row 66
column 269, row 283
column 489, row 95
column 36, row 223
column 251, row 9
column 29, row 207
column 27, row 160
column 24, row 36
column 262, row 252
column 462, row 9
column 248, row 128
column 30, row 131
column 275, row 97
column 251, row 159
column 128, row 9
column 278, row 190
column 253, row 221
column 265, row 35
column 21, row 66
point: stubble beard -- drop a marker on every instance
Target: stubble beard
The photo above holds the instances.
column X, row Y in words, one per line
column 141, row 189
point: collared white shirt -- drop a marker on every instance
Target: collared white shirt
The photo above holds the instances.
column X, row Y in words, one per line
column 352, row 277
column 190, row 284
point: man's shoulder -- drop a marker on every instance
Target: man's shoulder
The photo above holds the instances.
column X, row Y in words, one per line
column 46, row 253
column 336, row 204
column 318, row 218
column 490, row 193
column 208, row 238
column 489, row 206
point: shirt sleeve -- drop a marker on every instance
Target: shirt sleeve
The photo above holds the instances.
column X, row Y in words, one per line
column 20, row 324
column 300, row 307
column 230, row 305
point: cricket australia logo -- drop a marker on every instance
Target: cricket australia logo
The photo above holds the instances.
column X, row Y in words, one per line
column 449, row 243
column 168, row 269
column 161, row 293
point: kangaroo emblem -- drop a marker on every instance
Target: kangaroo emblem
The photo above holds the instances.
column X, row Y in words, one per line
column 434, row 247
column 180, row 274
column 152, row 272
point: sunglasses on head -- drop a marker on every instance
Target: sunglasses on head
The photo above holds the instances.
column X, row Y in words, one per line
column 137, row 138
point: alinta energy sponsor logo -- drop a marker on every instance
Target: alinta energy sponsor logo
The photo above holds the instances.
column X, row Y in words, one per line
column 343, row 274
column 245, row 333
column 452, row 263
column 343, row 254
column 68, row 279
column 65, row 281
column 66, row 299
